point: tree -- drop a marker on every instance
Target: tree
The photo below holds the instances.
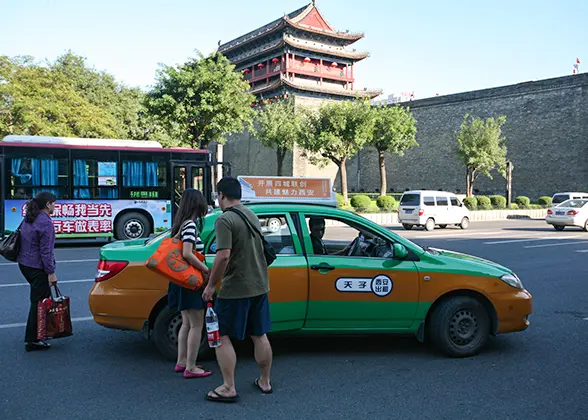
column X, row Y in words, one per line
column 278, row 126
column 337, row 132
column 394, row 132
column 201, row 101
column 481, row 147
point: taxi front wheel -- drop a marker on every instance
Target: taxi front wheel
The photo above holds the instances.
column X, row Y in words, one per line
column 460, row 326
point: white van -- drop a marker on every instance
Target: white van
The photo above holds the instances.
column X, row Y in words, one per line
column 559, row 198
column 432, row 208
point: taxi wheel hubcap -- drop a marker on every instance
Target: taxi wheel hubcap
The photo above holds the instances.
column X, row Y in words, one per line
column 134, row 229
column 463, row 328
column 173, row 328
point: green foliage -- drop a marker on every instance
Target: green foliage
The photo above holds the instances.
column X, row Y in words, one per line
column 544, row 201
column 484, row 203
column 523, row 201
column 513, row 206
column 340, row 200
column 278, row 127
column 498, row 201
column 471, row 203
column 385, row 203
column 336, row 132
column 201, row 101
column 361, row 202
column 481, row 148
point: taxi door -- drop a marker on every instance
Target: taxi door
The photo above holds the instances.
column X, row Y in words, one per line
column 355, row 291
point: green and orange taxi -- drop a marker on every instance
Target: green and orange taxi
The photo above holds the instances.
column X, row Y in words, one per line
column 335, row 272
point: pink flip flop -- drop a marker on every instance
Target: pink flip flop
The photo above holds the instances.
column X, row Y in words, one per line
column 180, row 368
column 189, row 375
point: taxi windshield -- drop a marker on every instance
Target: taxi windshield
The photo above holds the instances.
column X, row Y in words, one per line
column 154, row 238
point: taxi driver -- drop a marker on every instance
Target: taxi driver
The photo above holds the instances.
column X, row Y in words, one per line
column 316, row 226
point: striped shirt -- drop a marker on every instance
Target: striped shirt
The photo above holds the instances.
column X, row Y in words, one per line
column 189, row 234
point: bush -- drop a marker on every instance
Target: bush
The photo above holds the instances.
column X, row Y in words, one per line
column 523, row 201
column 386, row 203
column 361, row 202
column 471, row 203
column 340, row 200
column 498, row 201
column 544, row 201
column 484, row 203
column 513, row 206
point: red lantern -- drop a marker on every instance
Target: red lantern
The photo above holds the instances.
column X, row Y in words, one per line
column 260, row 66
column 275, row 60
column 307, row 60
column 246, row 71
column 333, row 64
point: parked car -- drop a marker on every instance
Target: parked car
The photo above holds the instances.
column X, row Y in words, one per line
column 569, row 213
column 432, row 208
column 379, row 282
column 559, row 198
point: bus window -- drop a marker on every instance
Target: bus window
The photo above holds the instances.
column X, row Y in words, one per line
column 32, row 175
column 99, row 178
column 145, row 179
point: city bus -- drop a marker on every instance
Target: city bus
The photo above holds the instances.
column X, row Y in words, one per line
column 105, row 188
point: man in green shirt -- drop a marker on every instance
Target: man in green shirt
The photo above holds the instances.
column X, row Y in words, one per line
column 242, row 304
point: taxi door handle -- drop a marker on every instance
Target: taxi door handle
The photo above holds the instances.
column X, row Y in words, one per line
column 322, row 267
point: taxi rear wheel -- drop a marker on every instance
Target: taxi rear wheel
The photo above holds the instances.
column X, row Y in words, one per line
column 430, row 224
column 460, row 326
column 559, row 227
column 407, row 226
column 165, row 335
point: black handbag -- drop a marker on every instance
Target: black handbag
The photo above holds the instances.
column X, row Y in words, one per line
column 268, row 250
column 10, row 246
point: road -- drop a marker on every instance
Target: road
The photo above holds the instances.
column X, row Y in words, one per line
column 541, row 373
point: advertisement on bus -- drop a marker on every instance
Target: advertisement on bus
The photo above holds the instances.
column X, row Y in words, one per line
column 90, row 218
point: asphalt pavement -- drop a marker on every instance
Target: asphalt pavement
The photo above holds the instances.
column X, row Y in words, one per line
column 541, row 373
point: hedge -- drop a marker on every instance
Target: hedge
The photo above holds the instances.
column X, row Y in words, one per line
column 471, row 203
column 361, row 202
column 385, row 203
column 484, row 203
column 498, row 201
column 544, row 201
column 513, row 206
column 523, row 201
column 340, row 200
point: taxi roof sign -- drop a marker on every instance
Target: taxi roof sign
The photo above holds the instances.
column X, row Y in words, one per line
column 283, row 189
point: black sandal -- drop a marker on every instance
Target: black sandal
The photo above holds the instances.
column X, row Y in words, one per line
column 256, row 384
column 221, row 398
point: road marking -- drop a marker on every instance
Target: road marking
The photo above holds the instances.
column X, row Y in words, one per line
column 566, row 243
column 544, row 238
column 59, row 262
column 60, row 282
column 581, row 250
column 23, row 324
column 455, row 235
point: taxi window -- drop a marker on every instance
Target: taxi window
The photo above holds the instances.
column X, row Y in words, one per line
column 410, row 200
column 276, row 231
column 429, row 201
column 559, row 198
column 454, row 201
column 334, row 237
column 442, row 201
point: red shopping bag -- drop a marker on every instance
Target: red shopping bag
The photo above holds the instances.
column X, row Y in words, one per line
column 54, row 316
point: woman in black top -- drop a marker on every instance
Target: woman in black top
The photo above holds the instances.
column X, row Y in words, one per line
column 193, row 206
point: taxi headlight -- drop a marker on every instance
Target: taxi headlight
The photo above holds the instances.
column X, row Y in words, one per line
column 512, row 280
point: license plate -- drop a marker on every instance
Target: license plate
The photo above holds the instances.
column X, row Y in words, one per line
column 408, row 211
column 559, row 213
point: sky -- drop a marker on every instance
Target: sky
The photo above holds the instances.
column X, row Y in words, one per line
column 427, row 47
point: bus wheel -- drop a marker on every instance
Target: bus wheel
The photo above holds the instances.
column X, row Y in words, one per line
column 132, row 226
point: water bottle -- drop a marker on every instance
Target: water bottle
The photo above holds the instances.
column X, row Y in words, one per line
column 212, row 330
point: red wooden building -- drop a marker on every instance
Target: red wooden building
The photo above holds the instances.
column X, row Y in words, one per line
column 299, row 54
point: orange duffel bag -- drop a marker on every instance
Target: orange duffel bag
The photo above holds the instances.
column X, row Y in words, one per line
column 169, row 261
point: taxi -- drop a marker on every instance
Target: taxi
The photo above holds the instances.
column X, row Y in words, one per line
column 335, row 272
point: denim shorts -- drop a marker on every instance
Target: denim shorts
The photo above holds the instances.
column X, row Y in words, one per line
column 239, row 318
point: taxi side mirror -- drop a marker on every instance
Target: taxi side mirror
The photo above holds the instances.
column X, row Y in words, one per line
column 400, row 251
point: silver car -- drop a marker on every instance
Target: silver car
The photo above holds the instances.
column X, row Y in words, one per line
column 569, row 213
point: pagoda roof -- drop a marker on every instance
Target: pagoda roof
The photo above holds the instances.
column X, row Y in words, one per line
column 366, row 93
column 307, row 18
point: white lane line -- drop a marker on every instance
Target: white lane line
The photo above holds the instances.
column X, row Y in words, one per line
column 544, row 238
column 59, row 282
column 581, row 250
column 454, row 235
column 565, row 243
column 23, row 324
column 59, row 262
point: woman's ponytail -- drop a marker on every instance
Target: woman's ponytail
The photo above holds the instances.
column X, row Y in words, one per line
column 37, row 204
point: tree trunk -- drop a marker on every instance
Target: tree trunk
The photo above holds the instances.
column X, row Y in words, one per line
column 343, row 174
column 281, row 154
column 383, row 185
column 468, row 183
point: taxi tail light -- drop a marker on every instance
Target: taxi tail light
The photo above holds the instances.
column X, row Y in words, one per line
column 572, row 212
column 109, row 269
column 549, row 211
column 421, row 212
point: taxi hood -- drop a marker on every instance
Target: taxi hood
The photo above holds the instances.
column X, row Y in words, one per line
column 468, row 262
